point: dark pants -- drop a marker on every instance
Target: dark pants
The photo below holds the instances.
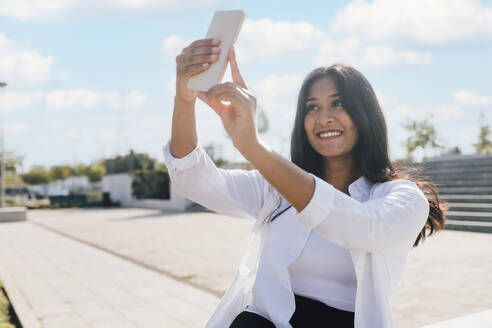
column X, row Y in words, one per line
column 308, row 313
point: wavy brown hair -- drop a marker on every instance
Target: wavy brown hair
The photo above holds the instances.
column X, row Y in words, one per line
column 371, row 150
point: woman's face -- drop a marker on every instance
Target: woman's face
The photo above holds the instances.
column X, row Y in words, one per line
column 328, row 126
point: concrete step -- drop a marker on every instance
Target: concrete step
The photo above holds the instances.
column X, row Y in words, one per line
column 469, row 176
column 463, row 183
column 465, row 190
column 469, row 216
column 435, row 171
column 467, row 198
column 469, row 226
column 458, row 161
column 471, row 207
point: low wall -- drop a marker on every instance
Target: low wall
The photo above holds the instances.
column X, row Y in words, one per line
column 119, row 187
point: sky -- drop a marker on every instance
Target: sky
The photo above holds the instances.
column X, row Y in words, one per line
column 93, row 79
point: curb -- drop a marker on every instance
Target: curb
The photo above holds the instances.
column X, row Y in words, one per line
column 22, row 309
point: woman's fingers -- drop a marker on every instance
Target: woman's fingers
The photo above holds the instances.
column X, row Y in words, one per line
column 189, row 71
column 203, row 43
column 229, row 87
column 197, row 59
column 194, row 59
column 198, row 52
column 236, row 76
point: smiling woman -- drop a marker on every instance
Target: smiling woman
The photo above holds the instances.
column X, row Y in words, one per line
column 336, row 222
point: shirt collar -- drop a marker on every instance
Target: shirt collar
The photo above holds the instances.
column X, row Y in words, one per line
column 362, row 184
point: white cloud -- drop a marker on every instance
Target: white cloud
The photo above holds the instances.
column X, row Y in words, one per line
column 15, row 128
column 469, row 98
column 131, row 102
column 277, row 96
column 437, row 113
column 26, row 9
column 19, row 65
column 11, row 100
column 350, row 51
column 429, row 21
column 62, row 99
column 264, row 38
column 45, row 9
column 278, row 88
column 71, row 99
column 173, row 45
column 86, row 133
column 58, row 124
column 87, row 99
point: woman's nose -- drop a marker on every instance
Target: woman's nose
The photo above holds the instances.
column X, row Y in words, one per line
column 325, row 115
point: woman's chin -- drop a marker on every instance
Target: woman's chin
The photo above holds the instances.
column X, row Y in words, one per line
column 331, row 153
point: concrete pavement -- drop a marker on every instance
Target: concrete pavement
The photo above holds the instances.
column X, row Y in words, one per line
column 65, row 283
column 447, row 278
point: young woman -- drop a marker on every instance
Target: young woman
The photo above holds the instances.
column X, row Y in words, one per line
column 336, row 222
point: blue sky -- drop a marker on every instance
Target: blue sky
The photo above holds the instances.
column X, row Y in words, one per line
column 92, row 79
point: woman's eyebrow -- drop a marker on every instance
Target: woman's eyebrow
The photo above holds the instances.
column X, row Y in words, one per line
column 336, row 94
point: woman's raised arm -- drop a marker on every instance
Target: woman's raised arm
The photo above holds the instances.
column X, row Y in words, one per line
column 193, row 174
column 194, row 59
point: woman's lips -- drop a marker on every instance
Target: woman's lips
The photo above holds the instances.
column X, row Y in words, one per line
column 330, row 138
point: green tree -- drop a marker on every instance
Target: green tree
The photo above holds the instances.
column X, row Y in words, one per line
column 60, row 172
column 484, row 145
column 12, row 162
column 95, row 172
column 129, row 163
column 36, row 175
column 423, row 135
column 263, row 122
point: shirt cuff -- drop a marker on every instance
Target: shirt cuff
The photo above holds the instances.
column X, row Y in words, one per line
column 182, row 163
column 319, row 206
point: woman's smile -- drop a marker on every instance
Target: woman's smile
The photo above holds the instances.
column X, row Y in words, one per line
column 328, row 136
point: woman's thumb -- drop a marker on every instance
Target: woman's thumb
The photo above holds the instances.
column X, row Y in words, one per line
column 203, row 96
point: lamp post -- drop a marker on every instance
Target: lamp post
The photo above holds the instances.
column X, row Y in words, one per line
column 2, row 163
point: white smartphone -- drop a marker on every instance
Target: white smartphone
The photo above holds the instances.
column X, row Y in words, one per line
column 225, row 26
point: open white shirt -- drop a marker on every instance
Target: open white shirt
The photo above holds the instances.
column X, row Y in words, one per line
column 378, row 223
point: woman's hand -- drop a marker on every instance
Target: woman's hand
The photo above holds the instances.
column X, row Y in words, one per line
column 239, row 115
column 194, row 59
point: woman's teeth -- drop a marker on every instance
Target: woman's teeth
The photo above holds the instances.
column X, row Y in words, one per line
column 329, row 134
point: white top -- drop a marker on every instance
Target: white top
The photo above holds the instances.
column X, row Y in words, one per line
column 324, row 271
column 378, row 224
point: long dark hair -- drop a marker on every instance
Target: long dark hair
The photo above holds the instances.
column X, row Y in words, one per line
column 371, row 150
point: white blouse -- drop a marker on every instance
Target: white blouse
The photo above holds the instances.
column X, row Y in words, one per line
column 378, row 224
column 324, row 271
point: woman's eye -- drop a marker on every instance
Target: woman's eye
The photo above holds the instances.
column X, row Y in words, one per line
column 311, row 107
column 338, row 103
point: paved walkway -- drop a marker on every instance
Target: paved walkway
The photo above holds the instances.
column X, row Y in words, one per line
column 446, row 281
column 55, row 281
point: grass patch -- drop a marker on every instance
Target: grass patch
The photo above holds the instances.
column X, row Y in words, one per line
column 190, row 276
column 7, row 315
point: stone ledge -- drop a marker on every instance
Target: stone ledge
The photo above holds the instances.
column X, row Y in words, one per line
column 10, row 214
